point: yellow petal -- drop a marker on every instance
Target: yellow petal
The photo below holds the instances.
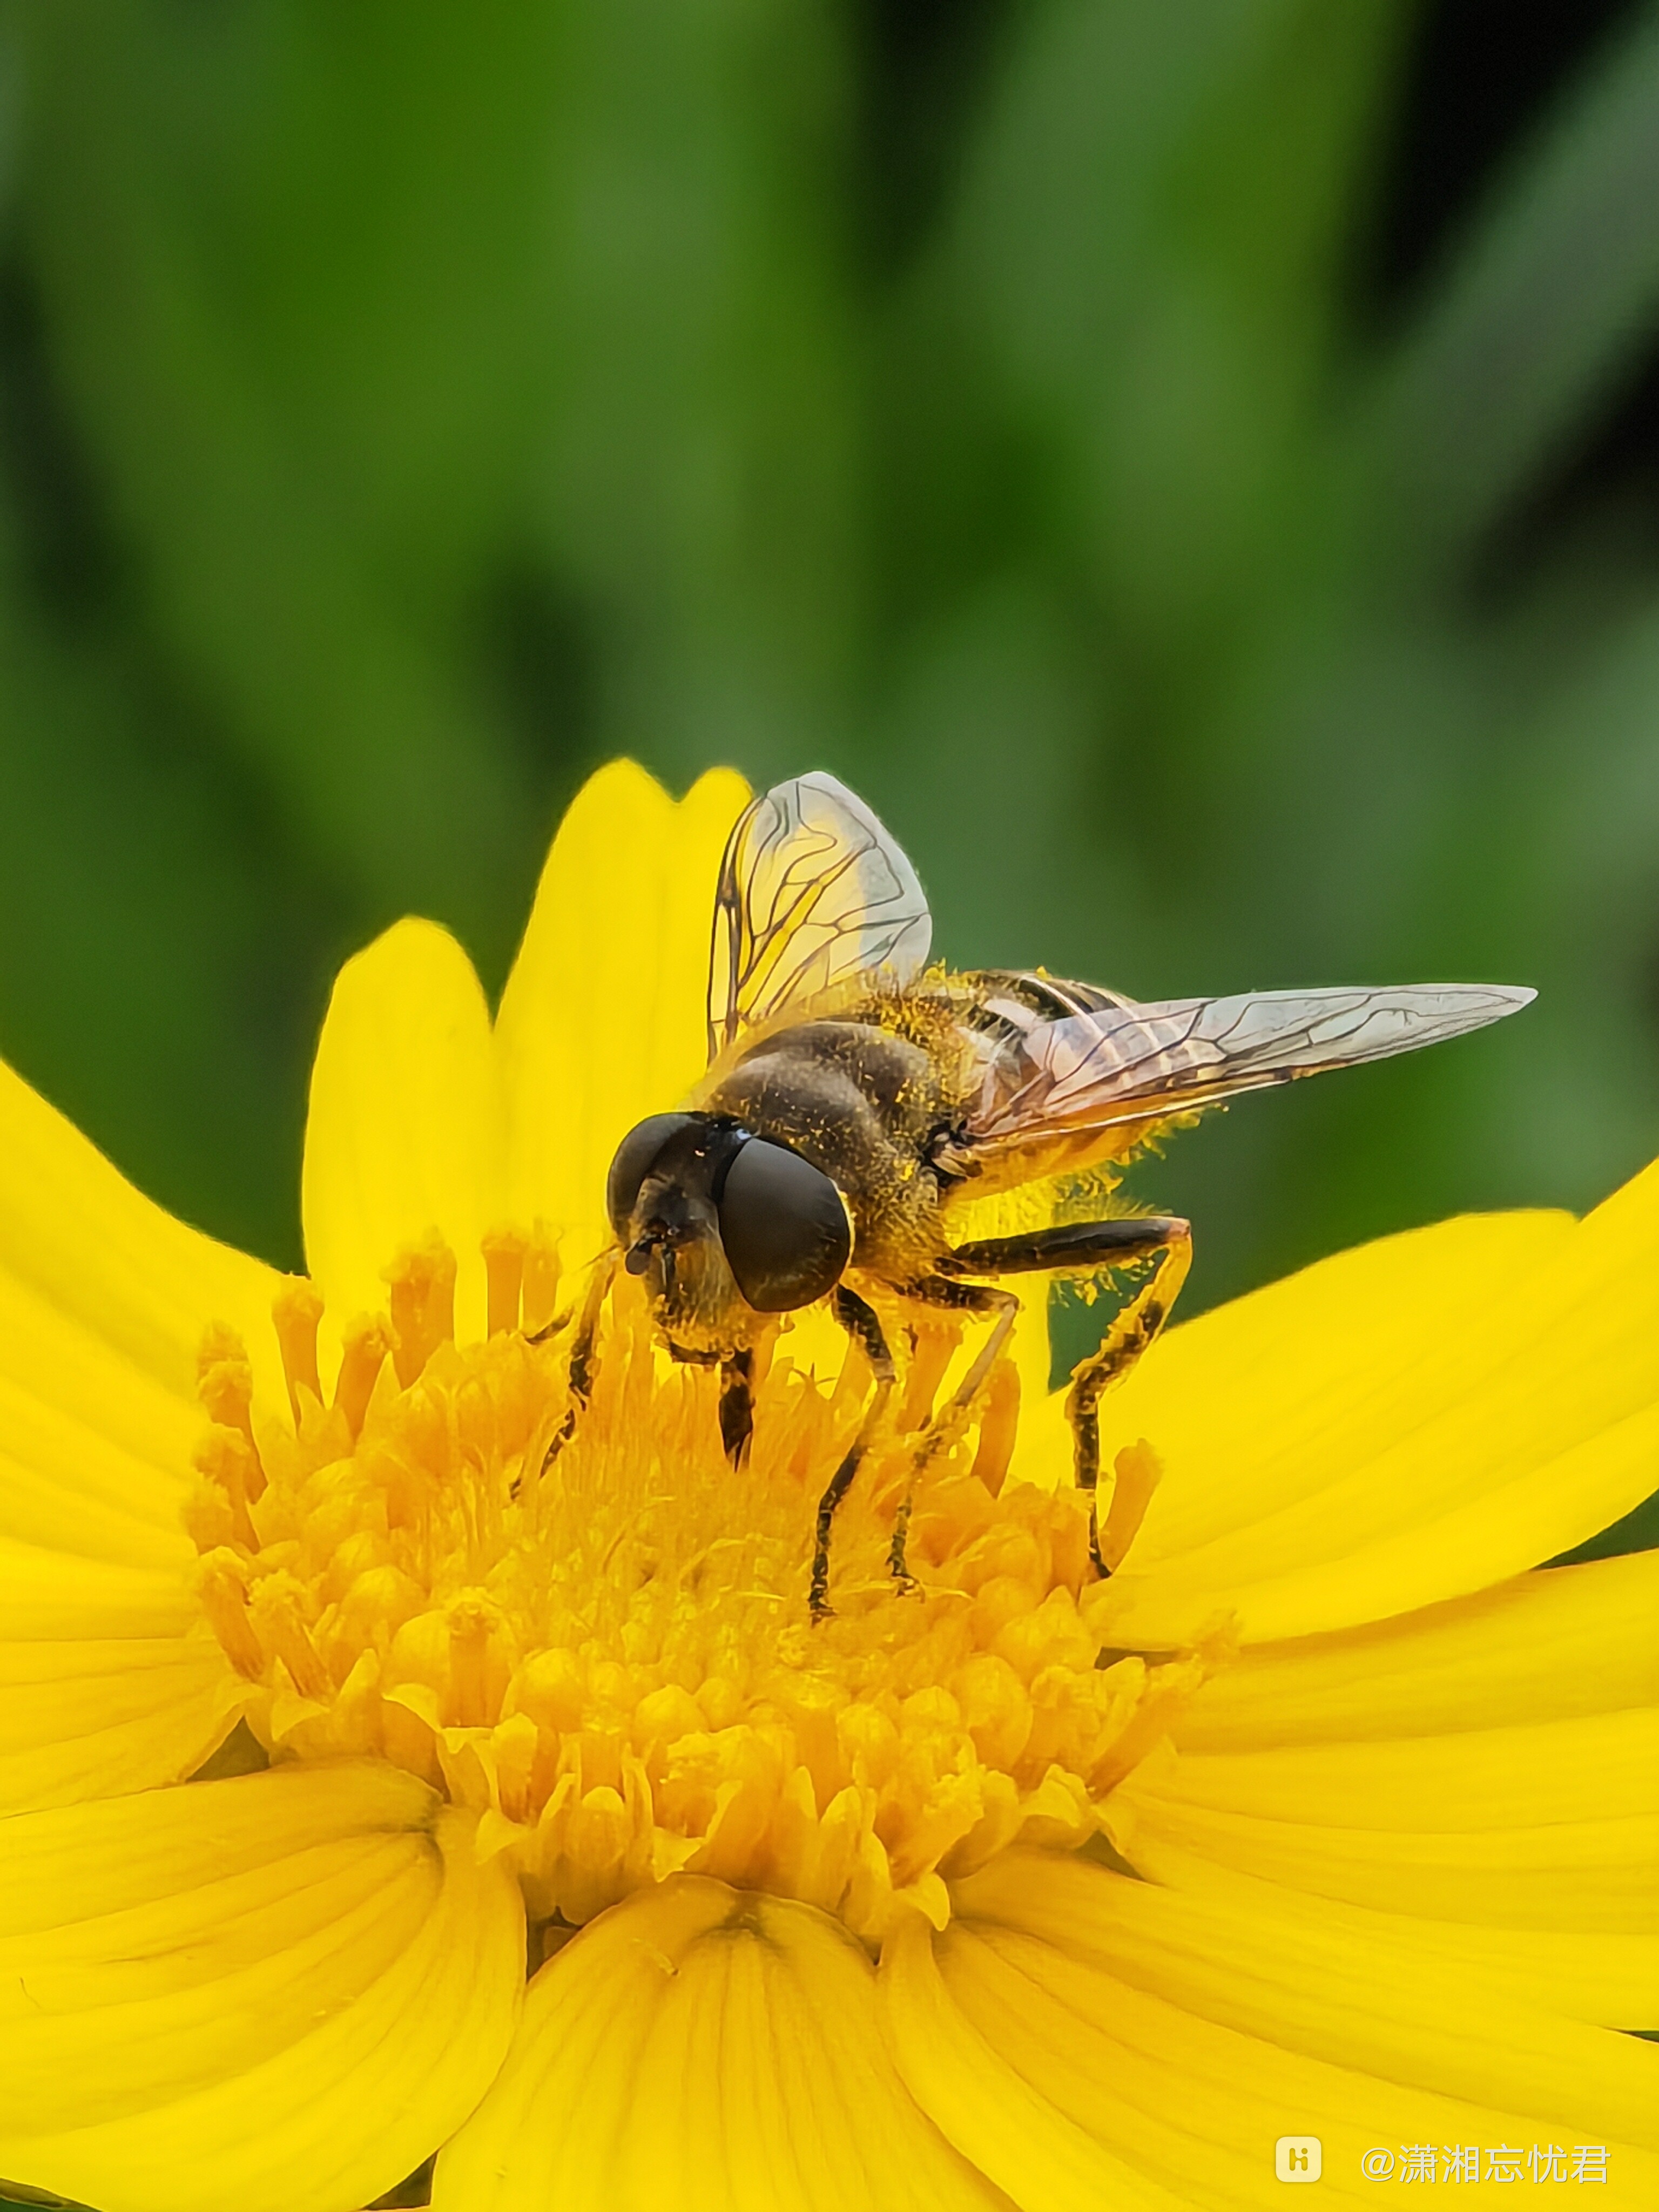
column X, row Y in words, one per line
column 1546, row 1646
column 1182, row 2037
column 82, row 1718
column 1011, row 2129
column 1385, row 1775
column 83, row 1244
column 602, row 1019
column 403, row 1137
column 1400, row 1424
column 1183, row 2104
column 1602, row 1766
column 1592, row 1873
column 100, row 1692
column 1344, row 2001
column 714, row 2051
column 94, row 1458
column 1608, row 1980
column 98, row 1253
column 278, row 1992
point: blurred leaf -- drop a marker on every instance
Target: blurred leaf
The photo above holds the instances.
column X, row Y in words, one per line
column 702, row 485
column 289, row 255
column 1537, row 318
column 1145, row 252
column 151, row 953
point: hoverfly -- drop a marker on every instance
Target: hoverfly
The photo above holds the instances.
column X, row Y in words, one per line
column 856, row 1098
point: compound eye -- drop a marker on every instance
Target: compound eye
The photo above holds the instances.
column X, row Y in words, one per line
column 784, row 1228
column 636, row 1156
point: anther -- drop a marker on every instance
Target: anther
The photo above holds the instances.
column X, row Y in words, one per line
column 541, row 1278
column 999, row 1427
column 274, row 1608
column 933, row 1343
column 422, row 1284
column 504, row 1253
column 224, row 1383
column 295, row 1311
column 221, row 1579
column 224, row 1378
column 473, row 1617
column 514, row 1742
column 227, row 1459
column 1136, row 1471
column 368, row 1341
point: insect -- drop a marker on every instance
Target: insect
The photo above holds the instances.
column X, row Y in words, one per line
column 857, row 1097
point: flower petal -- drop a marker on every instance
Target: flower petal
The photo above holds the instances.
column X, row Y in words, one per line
column 709, row 2049
column 1545, row 1646
column 403, row 1136
column 1007, row 2124
column 1585, row 1974
column 1603, row 1766
column 602, row 1019
column 102, row 1689
column 1400, row 1424
column 294, row 1985
column 1481, row 1778
column 100, row 1717
column 1182, row 2037
column 1444, row 1836
column 81, row 1242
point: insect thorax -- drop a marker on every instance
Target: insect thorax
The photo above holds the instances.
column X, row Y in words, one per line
column 861, row 1096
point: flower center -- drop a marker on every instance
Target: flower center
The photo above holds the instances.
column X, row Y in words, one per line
column 609, row 1654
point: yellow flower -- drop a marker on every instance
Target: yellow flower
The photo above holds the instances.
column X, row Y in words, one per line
column 1323, row 1817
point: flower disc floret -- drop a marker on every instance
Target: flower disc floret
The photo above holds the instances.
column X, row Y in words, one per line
column 608, row 1654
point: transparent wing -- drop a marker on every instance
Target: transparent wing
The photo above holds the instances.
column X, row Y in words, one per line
column 1133, row 1063
column 813, row 895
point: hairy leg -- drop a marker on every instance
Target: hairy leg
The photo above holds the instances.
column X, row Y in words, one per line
column 959, row 1297
column 1164, row 1239
column 860, row 1322
column 738, row 1404
column 580, row 1374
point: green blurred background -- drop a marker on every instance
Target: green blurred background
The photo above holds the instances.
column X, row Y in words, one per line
column 1194, row 465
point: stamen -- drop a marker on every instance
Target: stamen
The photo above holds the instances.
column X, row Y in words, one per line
column 295, row 1311
column 935, row 1340
column 221, row 1579
column 275, row 1608
column 542, row 1270
column 999, row 1427
column 504, row 1253
column 616, row 1666
column 1169, row 1691
column 514, row 1743
column 1137, row 1471
column 224, row 1379
column 472, row 1618
column 368, row 1341
column 224, row 1383
column 228, row 1461
column 422, row 1284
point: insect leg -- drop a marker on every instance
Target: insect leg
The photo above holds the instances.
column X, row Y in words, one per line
column 581, row 1372
column 962, row 1297
column 738, row 1404
column 860, row 1323
column 1161, row 1238
column 1073, row 1244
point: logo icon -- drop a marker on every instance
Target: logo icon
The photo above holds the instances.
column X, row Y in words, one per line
column 1299, row 2158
